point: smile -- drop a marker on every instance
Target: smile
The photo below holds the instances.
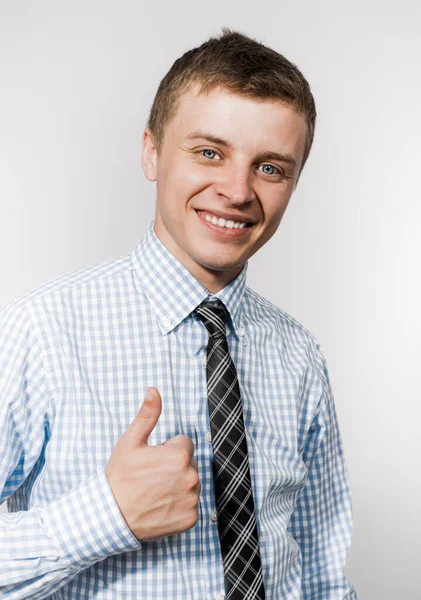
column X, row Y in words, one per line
column 220, row 222
column 222, row 227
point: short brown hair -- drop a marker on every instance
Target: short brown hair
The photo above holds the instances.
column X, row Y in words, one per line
column 241, row 65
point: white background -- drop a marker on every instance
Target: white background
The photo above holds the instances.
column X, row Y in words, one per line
column 77, row 81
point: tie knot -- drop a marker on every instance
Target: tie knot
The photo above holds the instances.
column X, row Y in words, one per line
column 213, row 315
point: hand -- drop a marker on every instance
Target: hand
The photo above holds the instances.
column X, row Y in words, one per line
column 156, row 487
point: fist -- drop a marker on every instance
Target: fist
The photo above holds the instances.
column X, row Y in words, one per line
column 156, row 488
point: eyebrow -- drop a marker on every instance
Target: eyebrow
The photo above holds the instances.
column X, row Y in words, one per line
column 268, row 155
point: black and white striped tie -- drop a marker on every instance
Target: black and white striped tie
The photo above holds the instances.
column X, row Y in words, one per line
column 233, row 491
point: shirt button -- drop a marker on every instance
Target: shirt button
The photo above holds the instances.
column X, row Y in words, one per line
column 241, row 331
column 208, row 436
column 167, row 322
column 204, row 359
column 214, row 516
column 220, row 597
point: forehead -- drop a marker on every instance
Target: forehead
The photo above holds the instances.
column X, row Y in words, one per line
column 249, row 122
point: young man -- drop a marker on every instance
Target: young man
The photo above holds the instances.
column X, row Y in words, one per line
column 230, row 480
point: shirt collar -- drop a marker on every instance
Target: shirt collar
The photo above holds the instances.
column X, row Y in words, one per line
column 173, row 291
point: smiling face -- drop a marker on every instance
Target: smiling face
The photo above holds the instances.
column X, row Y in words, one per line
column 223, row 156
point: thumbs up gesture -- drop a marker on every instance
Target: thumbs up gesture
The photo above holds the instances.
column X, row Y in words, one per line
column 156, row 487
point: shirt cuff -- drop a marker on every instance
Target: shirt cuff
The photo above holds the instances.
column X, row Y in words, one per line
column 85, row 524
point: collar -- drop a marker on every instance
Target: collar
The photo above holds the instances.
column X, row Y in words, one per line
column 173, row 291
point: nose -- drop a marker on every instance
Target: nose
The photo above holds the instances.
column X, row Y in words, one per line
column 235, row 184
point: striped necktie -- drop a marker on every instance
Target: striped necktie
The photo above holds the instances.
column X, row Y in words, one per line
column 233, row 492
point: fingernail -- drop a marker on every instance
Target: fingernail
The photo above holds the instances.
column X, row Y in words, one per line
column 148, row 396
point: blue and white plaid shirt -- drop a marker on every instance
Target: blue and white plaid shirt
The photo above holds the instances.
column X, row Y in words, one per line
column 76, row 356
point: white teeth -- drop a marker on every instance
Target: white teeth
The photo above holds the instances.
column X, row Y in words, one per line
column 223, row 223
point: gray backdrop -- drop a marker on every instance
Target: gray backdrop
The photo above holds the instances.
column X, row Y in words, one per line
column 77, row 81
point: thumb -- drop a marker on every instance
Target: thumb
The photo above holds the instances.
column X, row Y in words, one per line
column 147, row 417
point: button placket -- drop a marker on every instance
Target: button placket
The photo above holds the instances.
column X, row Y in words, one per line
column 214, row 516
column 241, row 332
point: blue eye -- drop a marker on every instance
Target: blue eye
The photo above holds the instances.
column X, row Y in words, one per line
column 269, row 167
column 211, row 151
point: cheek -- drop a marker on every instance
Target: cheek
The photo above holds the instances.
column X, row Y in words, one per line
column 273, row 207
column 188, row 185
column 195, row 175
column 184, row 176
column 278, row 202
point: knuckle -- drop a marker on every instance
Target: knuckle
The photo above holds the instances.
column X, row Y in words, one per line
column 191, row 520
column 184, row 457
column 192, row 479
column 175, row 454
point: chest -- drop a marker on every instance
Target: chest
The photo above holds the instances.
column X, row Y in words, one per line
column 103, row 378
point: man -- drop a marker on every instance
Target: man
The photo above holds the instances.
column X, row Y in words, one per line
column 109, row 501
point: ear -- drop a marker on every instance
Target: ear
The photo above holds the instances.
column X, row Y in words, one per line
column 149, row 156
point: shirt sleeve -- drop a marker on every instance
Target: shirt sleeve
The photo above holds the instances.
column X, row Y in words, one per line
column 321, row 522
column 44, row 547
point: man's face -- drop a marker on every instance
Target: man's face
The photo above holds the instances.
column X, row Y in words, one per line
column 229, row 157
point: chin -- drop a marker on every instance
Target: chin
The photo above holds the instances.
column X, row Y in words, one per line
column 222, row 265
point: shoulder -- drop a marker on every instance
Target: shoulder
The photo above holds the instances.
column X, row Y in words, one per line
column 265, row 310
column 293, row 336
column 72, row 284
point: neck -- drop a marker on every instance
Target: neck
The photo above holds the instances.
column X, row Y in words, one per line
column 212, row 279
